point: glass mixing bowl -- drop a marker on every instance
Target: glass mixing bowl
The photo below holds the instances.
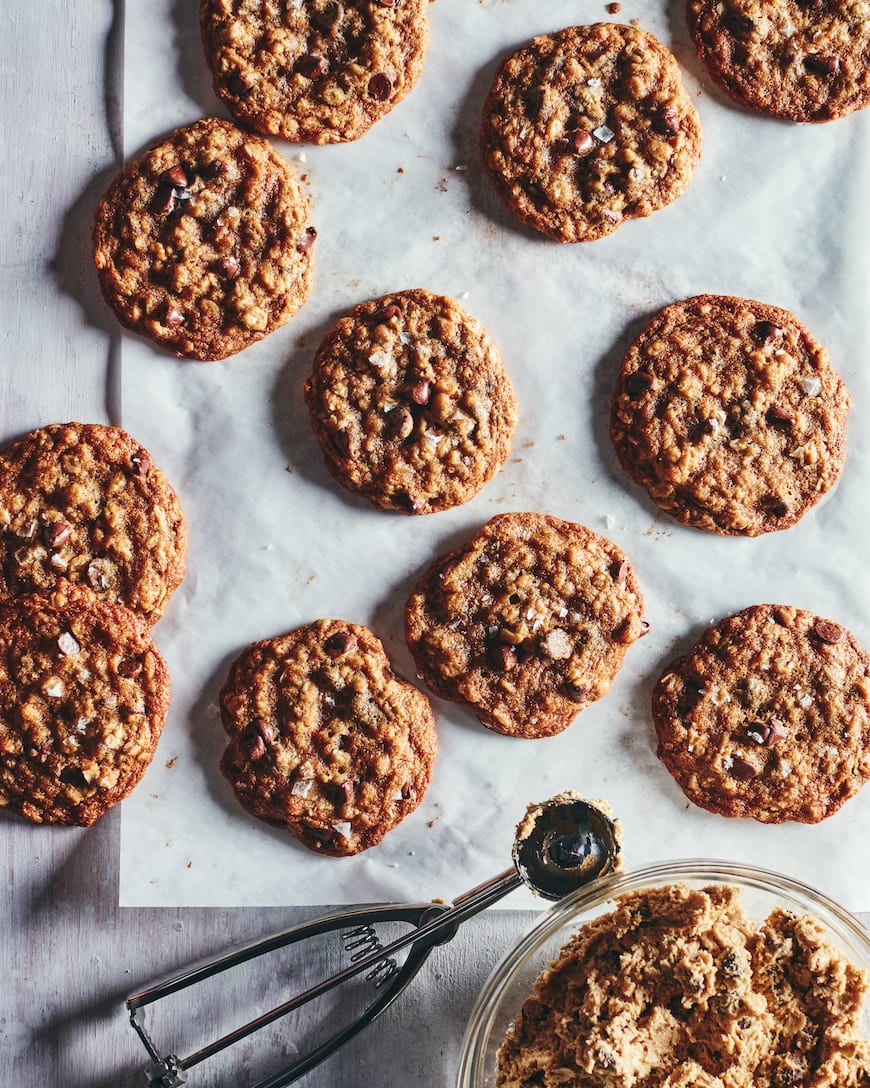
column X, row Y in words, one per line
column 512, row 980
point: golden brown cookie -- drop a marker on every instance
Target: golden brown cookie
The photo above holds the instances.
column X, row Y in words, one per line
column 318, row 71
column 85, row 502
column 768, row 716
column 678, row 988
column 84, row 694
column 587, row 128
column 802, row 60
column 730, row 414
column 527, row 623
column 411, row 402
column 203, row 244
column 325, row 740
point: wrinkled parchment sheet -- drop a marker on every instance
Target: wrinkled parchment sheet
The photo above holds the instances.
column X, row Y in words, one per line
column 775, row 211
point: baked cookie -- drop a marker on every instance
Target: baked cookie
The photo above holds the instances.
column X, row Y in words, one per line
column 325, row 740
column 84, row 694
column 203, row 244
column 85, row 502
column 587, row 128
column 730, row 414
column 528, row 622
column 802, row 60
column 411, row 403
column 768, row 716
column 318, row 71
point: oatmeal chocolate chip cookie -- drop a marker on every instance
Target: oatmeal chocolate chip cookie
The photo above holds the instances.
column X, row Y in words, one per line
column 587, row 128
column 84, row 694
column 318, row 71
column 86, row 503
column 325, row 740
column 730, row 414
column 768, row 716
column 678, row 987
column 802, row 60
column 411, row 403
column 528, row 622
column 203, row 244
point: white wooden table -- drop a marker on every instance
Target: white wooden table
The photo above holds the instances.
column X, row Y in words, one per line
column 68, row 953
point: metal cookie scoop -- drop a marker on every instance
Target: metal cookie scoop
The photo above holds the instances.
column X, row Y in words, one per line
column 562, row 844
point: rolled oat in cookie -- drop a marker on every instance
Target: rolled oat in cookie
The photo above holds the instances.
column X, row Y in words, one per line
column 677, row 987
column 86, row 503
column 588, row 128
column 318, row 71
column 325, row 740
column 411, row 402
column 84, row 694
column 527, row 623
column 768, row 716
column 801, row 60
column 730, row 414
column 204, row 243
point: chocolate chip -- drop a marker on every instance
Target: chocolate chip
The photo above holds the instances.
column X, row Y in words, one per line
column 130, row 667
column 503, row 657
column 637, row 383
column 239, row 85
column 667, row 121
column 264, row 729
column 328, row 15
column 57, row 534
column 821, row 65
column 141, row 463
column 744, row 1022
column 178, row 177
column 254, row 746
column 214, row 169
column 68, row 644
column 775, row 507
column 341, row 642
column 389, row 313
column 828, row 632
column 779, row 417
column 173, row 317
column 810, row 3
column 644, row 628
column 164, row 199
column 322, row 835
column 731, row 965
column 380, row 86
column 580, row 142
column 406, row 789
column 229, row 268
column 340, row 441
column 310, row 66
column 341, row 792
column 740, row 25
column 757, row 732
column 619, row 571
column 777, row 733
column 419, row 392
column 400, row 423
column 73, row 776
column 387, row 3
column 576, row 693
column 307, row 240
column 742, row 769
column 767, row 333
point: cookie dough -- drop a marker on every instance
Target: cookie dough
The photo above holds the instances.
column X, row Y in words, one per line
column 411, row 402
column 320, row 71
column 678, row 988
column 768, row 716
column 204, row 243
column 325, row 740
column 86, row 503
column 802, row 60
column 84, row 694
column 527, row 623
column 588, row 128
column 730, row 414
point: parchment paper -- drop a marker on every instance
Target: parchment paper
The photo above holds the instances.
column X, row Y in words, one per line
column 775, row 211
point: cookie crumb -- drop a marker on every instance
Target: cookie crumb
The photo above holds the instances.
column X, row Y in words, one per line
column 614, row 9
